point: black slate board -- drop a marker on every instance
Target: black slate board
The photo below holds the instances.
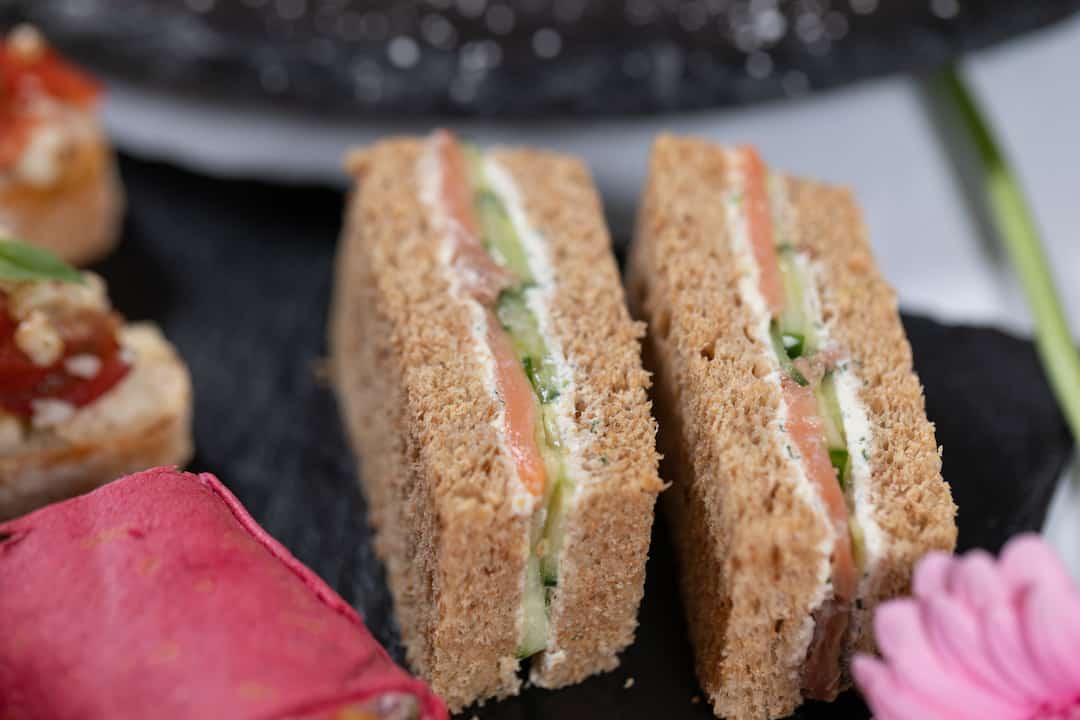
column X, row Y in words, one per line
column 239, row 275
column 520, row 57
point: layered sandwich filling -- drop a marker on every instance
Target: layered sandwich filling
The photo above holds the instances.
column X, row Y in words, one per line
column 499, row 266
column 60, row 344
column 45, row 114
column 821, row 423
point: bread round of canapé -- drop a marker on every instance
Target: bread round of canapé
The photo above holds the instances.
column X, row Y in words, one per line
column 77, row 217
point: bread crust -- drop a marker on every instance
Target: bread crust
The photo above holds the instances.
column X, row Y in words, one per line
column 145, row 421
column 78, row 218
column 418, row 413
column 746, row 543
column 602, row 575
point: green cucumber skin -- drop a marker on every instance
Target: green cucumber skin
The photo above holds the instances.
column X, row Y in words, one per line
column 520, row 323
column 841, row 461
column 534, row 629
column 833, row 418
column 782, row 354
column 554, row 530
column 794, row 344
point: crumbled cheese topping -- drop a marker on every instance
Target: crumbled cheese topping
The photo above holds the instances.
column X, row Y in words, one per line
column 39, row 339
column 41, row 161
column 54, row 297
column 49, row 412
column 83, row 366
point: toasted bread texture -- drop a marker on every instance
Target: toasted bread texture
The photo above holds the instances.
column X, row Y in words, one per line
column 79, row 217
column 748, row 543
column 145, row 421
column 439, row 482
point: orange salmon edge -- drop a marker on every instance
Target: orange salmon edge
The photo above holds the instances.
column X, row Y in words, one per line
column 455, row 190
column 520, row 421
column 761, row 230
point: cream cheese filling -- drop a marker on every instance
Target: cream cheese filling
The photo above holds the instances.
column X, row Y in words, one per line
column 59, row 135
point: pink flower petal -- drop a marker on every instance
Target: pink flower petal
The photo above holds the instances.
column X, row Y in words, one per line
column 888, row 698
column 916, row 666
column 931, row 574
column 955, row 633
column 1007, row 650
column 974, row 578
column 1051, row 625
column 1029, row 560
column 980, row 640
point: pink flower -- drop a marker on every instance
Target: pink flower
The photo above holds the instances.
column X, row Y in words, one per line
column 979, row 640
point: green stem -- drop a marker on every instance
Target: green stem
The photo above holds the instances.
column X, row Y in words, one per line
column 1013, row 218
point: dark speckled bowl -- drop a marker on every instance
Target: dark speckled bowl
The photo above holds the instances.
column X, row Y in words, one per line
column 521, row 57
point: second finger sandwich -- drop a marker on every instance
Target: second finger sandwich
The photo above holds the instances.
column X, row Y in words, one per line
column 806, row 477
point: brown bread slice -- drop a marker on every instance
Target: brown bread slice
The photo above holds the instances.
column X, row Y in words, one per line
column 748, row 545
column 438, row 481
column 79, row 218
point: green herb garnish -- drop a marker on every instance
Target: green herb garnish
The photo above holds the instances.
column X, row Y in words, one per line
column 781, row 350
column 20, row 261
column 839, row 459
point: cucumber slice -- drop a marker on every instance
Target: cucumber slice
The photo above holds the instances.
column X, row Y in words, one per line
column 551, row 436
column 795, row 318
column 829, row 407
column 782, row 355
column 833, row 421
column 534, row 607
column 520, row 323
column 500, row 237
column 554, row 530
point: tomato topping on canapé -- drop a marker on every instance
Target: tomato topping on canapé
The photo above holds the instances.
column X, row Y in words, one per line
column 27, row 73
column 84, row 333
column 44, row 71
